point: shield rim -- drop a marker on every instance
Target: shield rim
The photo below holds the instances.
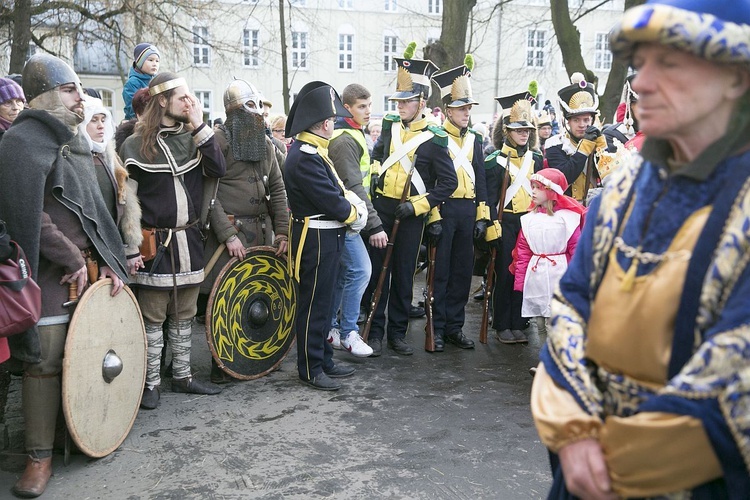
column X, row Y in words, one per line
column 209, row 334
column 66, row 363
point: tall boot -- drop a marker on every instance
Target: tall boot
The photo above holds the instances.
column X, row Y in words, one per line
column 35, row 477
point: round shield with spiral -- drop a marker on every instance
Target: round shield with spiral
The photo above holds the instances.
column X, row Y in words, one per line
column 250, row 314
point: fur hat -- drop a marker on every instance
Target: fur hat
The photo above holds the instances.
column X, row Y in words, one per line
column 10, row 90
column 142, row 52
column 714, row 31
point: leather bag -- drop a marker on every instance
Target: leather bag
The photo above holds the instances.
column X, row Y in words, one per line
column 148, row 247
column 20, row 296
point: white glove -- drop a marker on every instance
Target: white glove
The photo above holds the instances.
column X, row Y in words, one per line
column 361, row 221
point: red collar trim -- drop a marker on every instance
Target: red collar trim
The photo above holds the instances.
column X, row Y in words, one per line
column 353, row 124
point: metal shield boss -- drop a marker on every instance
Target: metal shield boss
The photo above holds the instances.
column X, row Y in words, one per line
column 250, row 314
column 104, row 369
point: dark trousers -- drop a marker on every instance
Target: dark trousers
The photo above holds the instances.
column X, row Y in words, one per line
column 399, row 280
column 317, row 277
column 506, row 303
column 453, row 266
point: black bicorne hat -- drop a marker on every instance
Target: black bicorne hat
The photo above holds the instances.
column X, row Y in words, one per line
column 315, row 102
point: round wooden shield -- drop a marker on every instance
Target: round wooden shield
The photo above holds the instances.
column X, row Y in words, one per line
column 250, row 314
column 104, row 369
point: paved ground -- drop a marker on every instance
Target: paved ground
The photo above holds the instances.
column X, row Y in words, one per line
column 453, row 425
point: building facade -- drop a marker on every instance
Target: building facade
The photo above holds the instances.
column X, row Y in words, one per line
column 346, row 41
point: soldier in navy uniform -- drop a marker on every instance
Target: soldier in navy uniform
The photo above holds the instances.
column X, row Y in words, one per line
column 464, row 215
column 516, row 137
column 322, row 209
column 570, row 151
column 404, row 137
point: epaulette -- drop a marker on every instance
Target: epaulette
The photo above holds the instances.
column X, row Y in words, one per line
column 491, row 160
column 476, row 133
column 538, row 154
column 440, row 136
column 389, row 120
column 309, row 149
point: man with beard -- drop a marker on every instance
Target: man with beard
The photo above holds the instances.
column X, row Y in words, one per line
column 250, row 207
column 408, row 142
column 572, row 151
column 168, row 156
column 519, row 160
column 51, row 202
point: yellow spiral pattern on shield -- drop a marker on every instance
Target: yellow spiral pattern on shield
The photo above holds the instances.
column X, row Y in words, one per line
column 257, row 274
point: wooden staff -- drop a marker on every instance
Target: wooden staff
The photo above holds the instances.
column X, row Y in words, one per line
column 493, row 256
column 388, row 254
column 429, row 329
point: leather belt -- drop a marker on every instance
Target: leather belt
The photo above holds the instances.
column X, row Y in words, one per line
column 321, row 224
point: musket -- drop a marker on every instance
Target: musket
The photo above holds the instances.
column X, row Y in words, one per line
column 429, row 329
column 493, row 256
column 388, row 254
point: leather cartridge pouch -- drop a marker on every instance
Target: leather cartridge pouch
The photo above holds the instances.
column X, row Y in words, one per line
column 148, row 247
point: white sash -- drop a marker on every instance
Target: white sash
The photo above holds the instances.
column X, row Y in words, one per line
column 461, row 156
column 401, row 154
column 520, row 176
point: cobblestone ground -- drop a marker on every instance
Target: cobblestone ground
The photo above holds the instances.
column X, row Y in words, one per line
column 453, row 425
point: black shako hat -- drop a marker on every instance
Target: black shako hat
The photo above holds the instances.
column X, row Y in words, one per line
column 315, row 102
column 455, row 87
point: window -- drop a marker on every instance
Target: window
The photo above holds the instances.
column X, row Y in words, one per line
column 389, row 106
column 434, row 6
column 201, row 48
column 250, row 48
column 204, row 97
column 602, row 55
column 535, row 48
column 389, row 52
column 299, row 49
column 391, row 5
column 108, row 101
column 346, row 4
column 346, row 52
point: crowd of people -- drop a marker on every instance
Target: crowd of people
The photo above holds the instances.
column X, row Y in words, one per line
column 625, row 243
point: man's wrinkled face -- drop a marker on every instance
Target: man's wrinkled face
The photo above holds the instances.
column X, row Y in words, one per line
column 71, row 98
